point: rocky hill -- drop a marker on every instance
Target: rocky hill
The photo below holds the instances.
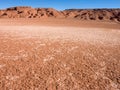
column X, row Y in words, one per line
column 82, row 14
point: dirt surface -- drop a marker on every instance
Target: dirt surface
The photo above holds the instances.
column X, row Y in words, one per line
column 53, row 57
column 57, row 22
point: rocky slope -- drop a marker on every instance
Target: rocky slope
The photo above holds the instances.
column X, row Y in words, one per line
column 82, row 14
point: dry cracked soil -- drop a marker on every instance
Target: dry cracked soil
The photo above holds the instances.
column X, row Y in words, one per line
column 59, row 58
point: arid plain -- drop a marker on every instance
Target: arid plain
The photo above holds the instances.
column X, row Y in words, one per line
column 59, row 54
column 46, row 49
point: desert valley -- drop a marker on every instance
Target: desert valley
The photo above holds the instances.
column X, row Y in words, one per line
column 46, row 49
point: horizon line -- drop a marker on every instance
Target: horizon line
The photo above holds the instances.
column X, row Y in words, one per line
column 61, row 9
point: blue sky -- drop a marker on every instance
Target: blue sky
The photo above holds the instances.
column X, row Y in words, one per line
column 61, row 4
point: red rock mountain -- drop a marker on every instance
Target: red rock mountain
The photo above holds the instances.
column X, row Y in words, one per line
column 82, row 14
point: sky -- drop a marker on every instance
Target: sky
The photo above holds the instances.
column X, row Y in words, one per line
column 61, row 4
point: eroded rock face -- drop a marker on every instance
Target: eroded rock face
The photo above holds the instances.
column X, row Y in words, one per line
column 94, row 14
column 82, row 14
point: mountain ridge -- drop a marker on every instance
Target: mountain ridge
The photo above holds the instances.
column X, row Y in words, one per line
column 103, row 14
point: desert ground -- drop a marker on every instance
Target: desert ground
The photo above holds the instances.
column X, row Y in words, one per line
column 58, row 54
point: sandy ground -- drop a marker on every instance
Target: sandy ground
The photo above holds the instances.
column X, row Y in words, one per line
column 60, row 22
column 59, row 57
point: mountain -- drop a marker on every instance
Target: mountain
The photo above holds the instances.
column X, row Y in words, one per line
column 81, row 14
